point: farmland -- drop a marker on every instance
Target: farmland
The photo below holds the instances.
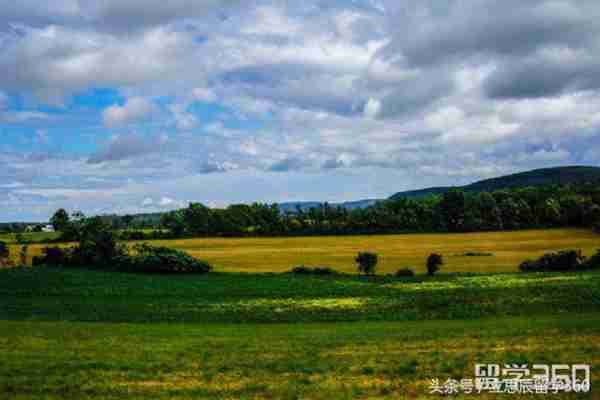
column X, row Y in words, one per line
column 508, row 249
column 250, row 331
column 67, row 360
column 236, row 335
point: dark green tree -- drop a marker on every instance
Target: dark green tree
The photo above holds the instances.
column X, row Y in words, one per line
column 60, row 220
column 4, row 253
column 434, row 262
column 367, row 263
column 452, row 208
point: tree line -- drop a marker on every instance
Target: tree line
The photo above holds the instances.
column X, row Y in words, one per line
column 453, row 211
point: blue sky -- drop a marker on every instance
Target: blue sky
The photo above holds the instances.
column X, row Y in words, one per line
column 138, row 106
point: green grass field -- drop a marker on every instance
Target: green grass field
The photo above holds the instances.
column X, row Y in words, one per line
column 258, row 334
column 66, row 360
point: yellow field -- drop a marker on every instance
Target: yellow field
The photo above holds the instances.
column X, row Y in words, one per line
column 395, row 251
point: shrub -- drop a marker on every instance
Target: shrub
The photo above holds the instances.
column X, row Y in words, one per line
column 160, row 260
column 302, row 270
column 568, row 260
column 434, row 261
column 4, row 253
column 23, row 255
column 134, row 235
column 477, row 254
column 53, row 256
column 594, row 261
column 367, row 263
column 98, row 244
column 405, row 272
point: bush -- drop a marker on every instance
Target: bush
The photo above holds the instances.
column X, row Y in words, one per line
column 434, row 261
column 4, row 253
column 98, row 246
column 134, row 235
column 405, row 272
column 302, row 270
column 160, row 260
column 568, row 260
column 54, row 256
column 367, row 263
column 4, row 250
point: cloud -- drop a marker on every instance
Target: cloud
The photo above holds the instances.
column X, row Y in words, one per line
column 135, row 109
column 288, row 99
column 289, row 164
column 204, row 94
column 125, row 147
column 372, row 108
column 41, row 136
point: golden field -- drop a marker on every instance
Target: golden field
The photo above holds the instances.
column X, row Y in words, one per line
column 509, row 249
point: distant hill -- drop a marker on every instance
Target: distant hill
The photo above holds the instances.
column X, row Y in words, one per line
column 537, row 177
column 307, row 205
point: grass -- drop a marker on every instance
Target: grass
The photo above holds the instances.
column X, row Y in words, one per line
column 509, row 249
column 65, row 360
column 395, row 251
column 82, row 295
column 254, row 333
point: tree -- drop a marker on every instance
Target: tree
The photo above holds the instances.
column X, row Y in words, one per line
column 23, row 255
column 60, row 220
column 4, row 253
column 367, row 263
column 98, row 244
column 174, row 222
column 127, row 221
column 434, row 261
column 490, row 212
column 453, row 209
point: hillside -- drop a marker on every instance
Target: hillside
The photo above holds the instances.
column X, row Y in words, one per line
column 537, row 177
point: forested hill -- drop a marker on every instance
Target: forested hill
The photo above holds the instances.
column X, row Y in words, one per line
column 537, row 177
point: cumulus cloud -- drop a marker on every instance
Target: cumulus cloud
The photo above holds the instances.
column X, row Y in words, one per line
column 127, row 146
column 417, row 92
column 134, row 109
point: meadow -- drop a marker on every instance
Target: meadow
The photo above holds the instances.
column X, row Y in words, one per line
column 508, row 250
column 383, row 360
column 248, row 331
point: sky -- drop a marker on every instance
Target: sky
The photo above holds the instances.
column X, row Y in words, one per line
column 126, row 106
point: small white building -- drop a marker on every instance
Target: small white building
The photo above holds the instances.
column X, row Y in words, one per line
column 48, row 228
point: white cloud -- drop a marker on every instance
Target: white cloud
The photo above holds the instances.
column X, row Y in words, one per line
column 416, row 91
column 134, row 109
column 204, row 94
column 372, row 108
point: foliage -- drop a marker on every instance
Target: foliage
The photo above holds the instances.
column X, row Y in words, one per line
column 477, row 254
column 367, row 262
column 54, row 256
column 302, row 270
column 98, row 245
column 434, row 261
column 60, row 220
column 567, row 260
column 405, row 272
column 4, row 250
column 160, row 260
column 23, row 254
